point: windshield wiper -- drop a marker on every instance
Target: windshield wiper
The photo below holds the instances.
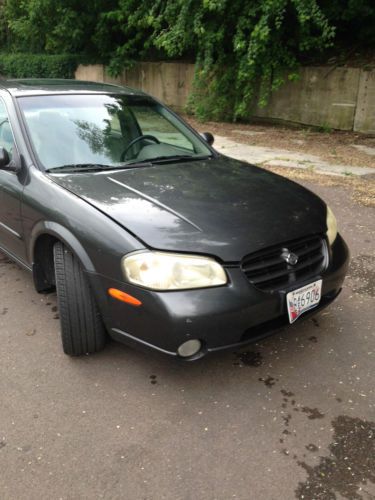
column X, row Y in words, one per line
column 97, row 167
column 136, row 163
column 94, row 167
column 166, row 159
column 178, row 158
column 79, row 167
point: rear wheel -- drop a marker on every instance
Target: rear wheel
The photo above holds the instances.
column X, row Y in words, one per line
column 82, row 329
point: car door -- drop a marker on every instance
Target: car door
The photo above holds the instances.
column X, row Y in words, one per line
column 11, row 237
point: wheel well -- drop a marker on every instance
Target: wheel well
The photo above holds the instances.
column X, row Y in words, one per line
column 43, row 264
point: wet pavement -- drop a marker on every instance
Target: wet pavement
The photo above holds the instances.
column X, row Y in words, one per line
column 290, row 417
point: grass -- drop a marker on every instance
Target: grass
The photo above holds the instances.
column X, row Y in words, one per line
column 325, row 129
column 363, row 189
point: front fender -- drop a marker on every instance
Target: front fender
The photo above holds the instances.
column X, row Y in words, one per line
column 63, row 234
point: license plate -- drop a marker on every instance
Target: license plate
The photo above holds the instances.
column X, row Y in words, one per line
column 301, row 300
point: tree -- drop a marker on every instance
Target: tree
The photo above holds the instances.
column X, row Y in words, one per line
column 66, row 26
column 243, row 49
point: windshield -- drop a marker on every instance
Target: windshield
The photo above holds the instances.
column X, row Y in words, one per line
column 107, row 130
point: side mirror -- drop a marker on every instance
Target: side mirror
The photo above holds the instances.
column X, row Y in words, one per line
column 4, row 158
column 6, row 163
column 208, row 137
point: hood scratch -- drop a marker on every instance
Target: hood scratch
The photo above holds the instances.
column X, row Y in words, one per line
column 155, row 202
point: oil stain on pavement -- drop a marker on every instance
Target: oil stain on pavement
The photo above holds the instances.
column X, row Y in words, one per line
column 268, row 381
column 313, row 413
column 349, row 470
column 349, row 467
column 249, row 358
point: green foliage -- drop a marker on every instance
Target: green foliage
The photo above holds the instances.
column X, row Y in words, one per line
column 354, row 21
column 64, row 26
column 243, row 49
column 3, row 26
column 325, row 129
column 37, row 65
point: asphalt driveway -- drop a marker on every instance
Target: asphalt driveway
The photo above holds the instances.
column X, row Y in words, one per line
column 291, row 417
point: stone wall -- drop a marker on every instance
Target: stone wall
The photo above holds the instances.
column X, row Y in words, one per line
column 340, row 98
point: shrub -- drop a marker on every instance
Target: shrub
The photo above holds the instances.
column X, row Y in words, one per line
column 38, row 65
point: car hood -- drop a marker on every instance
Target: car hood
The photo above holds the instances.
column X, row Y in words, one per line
column 219, row 206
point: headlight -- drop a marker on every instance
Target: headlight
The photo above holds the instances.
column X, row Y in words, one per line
column 331, row 226
column 171, row 271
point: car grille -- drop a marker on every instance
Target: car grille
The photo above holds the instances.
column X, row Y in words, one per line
column 269, row 271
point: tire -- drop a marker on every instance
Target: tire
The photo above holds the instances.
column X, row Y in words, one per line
column 82, row 328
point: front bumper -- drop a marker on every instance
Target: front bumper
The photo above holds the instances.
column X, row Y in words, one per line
column 221, row 318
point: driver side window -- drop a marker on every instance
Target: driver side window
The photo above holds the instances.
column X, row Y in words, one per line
column 153, row 123
column 6, row 134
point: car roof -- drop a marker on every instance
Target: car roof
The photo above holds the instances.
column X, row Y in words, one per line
column 47, row 86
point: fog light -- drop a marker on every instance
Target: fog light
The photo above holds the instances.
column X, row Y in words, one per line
column 189, row 348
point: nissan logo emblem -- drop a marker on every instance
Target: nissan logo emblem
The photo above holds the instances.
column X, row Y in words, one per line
column 289, row 257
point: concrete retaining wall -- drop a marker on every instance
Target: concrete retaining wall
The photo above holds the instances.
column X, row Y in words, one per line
column 169, row 82
column 364, row 120
column 321, row 97
column 340, row 98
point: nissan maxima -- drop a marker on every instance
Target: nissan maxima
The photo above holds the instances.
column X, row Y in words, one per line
column 149, row 235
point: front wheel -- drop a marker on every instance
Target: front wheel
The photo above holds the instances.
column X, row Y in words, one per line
column 82, row 328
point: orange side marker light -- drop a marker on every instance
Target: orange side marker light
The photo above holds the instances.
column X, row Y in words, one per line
column 124, row 297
